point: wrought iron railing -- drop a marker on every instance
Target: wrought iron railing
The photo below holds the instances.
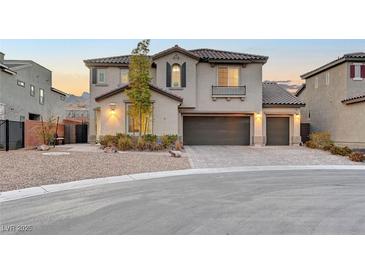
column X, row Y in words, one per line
column 228, row 91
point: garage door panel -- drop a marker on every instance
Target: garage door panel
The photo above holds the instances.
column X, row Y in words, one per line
column 216, row 130
column 277, row 131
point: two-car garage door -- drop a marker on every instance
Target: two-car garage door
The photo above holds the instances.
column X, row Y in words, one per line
column 231, row 130
column 216, row 130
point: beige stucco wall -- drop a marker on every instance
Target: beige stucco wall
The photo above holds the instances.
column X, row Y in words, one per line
column 189, row 92
column 164, row 118
column 345, row 123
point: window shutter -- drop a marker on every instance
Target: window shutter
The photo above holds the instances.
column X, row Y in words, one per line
column 363, row 71
column 183, row 75
column 94, row 75
column 352, row 71
column 168, row 75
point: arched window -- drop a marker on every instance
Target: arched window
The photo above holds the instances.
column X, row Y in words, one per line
column 176, row 75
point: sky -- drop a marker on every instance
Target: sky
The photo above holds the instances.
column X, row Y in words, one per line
column 288, row 59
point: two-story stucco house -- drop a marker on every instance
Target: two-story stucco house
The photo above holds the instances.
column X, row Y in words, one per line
column 334, row 95
column 26, row 91
column 205, row 96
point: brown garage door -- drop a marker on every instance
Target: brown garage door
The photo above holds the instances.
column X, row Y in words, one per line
column 216, row 130
column 277, row 131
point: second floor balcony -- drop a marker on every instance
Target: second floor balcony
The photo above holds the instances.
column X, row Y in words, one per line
column 228, row 92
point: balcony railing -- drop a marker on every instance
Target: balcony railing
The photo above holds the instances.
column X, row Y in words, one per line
column 224, row 91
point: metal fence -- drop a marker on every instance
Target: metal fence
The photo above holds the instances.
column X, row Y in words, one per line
column 75, row 134
column 11, row 135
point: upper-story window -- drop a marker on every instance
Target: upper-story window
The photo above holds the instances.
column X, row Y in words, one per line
column 357, row 71
column 21, row 83
column 228, row 76
column 101, row 76
column 41, row 96
column 124, row 77
column 32, row 90
column 176, row 76
column 316, row 82
column 327, row 78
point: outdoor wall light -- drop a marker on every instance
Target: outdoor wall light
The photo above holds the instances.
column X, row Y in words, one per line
column 258, row 115
column 113, row 106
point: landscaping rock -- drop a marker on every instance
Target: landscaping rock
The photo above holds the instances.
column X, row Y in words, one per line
column 110, row 150
column 175, row 153
column 43, row 148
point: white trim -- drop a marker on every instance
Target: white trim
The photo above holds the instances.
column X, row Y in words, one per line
column 99, row 70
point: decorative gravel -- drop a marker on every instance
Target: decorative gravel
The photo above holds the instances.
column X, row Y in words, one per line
column 28, row 168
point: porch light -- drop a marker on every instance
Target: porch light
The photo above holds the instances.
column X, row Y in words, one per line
column 258, row 115
column 297, row 115
column 113, row 106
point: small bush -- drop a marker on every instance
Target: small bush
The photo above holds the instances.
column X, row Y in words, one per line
column 321, row 139
column 328, row 147
column 125, row 142
column 141, row 144
column 178, row 145
column 168, row 141
column 151, row 138
column 357, row 157
column 343, row 151
column 108, row 140
column 311, row 144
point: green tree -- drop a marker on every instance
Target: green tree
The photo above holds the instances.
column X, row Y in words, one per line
column 139, row 92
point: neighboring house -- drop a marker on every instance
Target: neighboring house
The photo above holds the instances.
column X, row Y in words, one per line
column 26, row 91
column 205, row 96
column 334, row 95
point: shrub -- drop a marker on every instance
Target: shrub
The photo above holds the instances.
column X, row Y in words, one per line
column 168, row 141
column 141, row 144
column 311, row 144
column 125, row 142
column 328, row 147
column 178, row 145
column 357, row 157
column 151, row 138
column 343, row 151
column 321, row 139
column 108, row 140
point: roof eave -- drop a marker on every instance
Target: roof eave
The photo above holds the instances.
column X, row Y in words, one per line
column 265, row 105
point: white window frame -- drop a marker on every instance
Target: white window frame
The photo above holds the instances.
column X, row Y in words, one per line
column 32, row 90
column 21, row 83
column 98, row 73
column 127, row 105
column 229, row 67
column 327, row 78
column 41, row 96
column 124, row 72
column 358, row 70
column 316, row 82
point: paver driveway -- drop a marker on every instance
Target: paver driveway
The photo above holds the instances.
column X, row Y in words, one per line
column 234, row 156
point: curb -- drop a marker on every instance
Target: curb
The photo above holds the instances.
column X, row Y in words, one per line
column 44, row 189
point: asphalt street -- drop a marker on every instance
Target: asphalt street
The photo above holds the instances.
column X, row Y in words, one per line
column 265, row 202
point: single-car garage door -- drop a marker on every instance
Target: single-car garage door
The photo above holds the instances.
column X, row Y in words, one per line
column 216, row 130
column 277, row 131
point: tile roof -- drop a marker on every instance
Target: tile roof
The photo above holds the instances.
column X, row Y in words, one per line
column 354, row 99
column 213, row 54
column 152, row 87
column 204, row 55
column 349, row 57
column 273, row 94
column 123, row 59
